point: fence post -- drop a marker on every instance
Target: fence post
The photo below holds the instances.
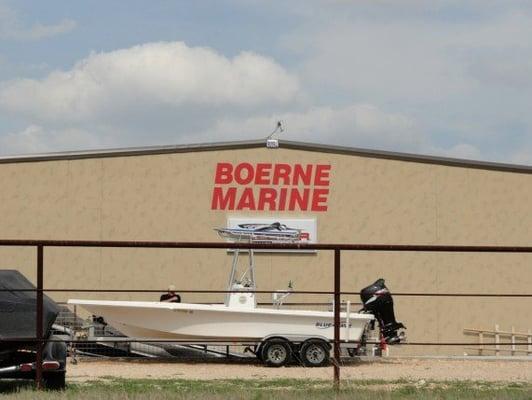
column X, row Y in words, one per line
column 337, row 317
column 39, row 319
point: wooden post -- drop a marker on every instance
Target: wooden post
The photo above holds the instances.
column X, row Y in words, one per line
column 480, row 343
column 497, row 340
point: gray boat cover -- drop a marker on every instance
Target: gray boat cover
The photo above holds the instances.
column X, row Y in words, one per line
column 18, row 309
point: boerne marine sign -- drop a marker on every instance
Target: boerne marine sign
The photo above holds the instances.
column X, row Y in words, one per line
column 271, row 187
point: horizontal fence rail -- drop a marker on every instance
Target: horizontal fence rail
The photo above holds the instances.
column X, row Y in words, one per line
column 336, row 248
column 317, row 292
column 207, row 341
column 265, row 246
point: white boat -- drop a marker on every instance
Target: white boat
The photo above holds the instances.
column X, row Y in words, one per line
column 278, row 332
column 156, row 320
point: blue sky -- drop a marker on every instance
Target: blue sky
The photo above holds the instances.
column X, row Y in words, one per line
column 449, row 77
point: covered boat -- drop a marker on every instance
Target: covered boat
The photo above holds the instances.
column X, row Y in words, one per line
column 18, row 317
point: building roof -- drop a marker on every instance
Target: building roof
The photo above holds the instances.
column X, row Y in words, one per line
column 314, row 147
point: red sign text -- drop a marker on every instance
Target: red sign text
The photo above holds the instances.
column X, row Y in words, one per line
column 271, row 187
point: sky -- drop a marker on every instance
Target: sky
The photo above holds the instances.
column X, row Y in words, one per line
column 448, row 78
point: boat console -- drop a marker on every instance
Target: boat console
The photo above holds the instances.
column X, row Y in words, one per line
column 243, row 297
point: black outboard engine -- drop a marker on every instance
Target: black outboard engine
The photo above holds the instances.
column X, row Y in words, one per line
column 378, row 301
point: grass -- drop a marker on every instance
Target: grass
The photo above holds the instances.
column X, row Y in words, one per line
column 126, row 389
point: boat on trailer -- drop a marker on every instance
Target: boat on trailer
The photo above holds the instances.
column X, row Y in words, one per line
column 279, row 334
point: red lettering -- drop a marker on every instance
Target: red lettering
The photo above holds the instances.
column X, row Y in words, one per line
column 223, row 173
column 302, row 175
column 319, row 199
column 281, row 172
column 243, row 196
column 262, row 174
column 304, row 236
column 248, row 176
column 221, row 202
column 302, row 201
column 282, row 199
column 321, row 178
column 247, row 200
column 267, row 196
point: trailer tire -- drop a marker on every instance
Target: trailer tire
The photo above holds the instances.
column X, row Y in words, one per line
column 315, row 353
column 276, row 352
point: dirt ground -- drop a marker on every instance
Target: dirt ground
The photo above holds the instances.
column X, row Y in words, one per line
column 389, row 369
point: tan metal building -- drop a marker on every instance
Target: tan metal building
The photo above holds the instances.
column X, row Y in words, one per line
column 180, row 193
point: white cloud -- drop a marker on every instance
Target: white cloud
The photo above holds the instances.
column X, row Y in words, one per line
column 11, row 27
column 161, row 93
column 360, row 125
column 357, row 125
column 373, row 75
column 36, row 139
column 415, row 59
column 462, row 71
column 167, row 74
column 144, row 95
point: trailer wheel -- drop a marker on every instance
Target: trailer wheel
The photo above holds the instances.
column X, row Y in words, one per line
column 276, row 352
column 315, row 353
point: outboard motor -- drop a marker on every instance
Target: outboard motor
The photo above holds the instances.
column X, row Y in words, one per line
column 378, row 301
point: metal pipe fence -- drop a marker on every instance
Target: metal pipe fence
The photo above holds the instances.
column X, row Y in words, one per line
column 207, row 291
column 337, row 293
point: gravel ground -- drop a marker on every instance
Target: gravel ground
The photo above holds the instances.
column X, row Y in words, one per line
column 390, row 370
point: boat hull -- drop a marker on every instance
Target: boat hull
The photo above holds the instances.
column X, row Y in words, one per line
column 182, row 321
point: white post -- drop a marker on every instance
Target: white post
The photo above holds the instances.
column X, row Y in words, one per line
column 252, row 268
column 73, row 336
column 234, row 267
column 347, row 319
column 529, row 337
column 497, row 340
column 513, row 340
